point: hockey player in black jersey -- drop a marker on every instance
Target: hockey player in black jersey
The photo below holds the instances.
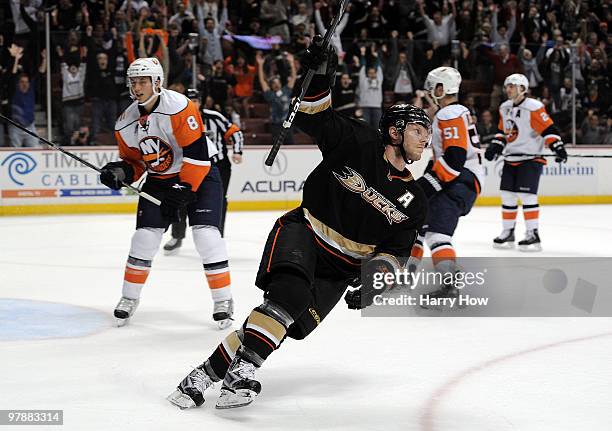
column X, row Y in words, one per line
column 360, row 206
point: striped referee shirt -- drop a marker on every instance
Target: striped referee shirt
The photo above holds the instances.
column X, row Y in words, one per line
column 221, row 132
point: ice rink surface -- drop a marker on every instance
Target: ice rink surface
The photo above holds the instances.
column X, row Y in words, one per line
column 60, row 278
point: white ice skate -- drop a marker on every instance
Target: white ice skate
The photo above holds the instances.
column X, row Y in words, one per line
column 505, row 240
column 531, row 242
column 239, row 386
column 190, row 392
column 124, row 310
column 223, row 312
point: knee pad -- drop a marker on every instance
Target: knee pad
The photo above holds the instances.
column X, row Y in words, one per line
column 434, row 239
column 528, row 198
column 209, row 243
column 290, row 291
column 509, row 198
column 145, row 243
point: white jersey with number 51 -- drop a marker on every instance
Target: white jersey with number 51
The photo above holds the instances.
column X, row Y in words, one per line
column 456, row 144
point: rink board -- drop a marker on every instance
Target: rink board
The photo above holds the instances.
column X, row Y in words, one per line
column 38, row 181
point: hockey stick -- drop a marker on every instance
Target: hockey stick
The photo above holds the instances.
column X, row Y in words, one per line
column 78, row 159
column 295, row 104
column 590, row 156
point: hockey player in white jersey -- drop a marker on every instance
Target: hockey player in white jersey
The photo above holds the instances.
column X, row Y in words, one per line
column 524, row 129
column 453, row 177
column 161, row 133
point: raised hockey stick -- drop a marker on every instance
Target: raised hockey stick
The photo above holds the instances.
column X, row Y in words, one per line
column 78, row 159
column 590, row 156
column 295, row 104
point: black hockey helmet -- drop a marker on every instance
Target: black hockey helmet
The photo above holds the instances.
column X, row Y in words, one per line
column 399, row 116
column 193, row 93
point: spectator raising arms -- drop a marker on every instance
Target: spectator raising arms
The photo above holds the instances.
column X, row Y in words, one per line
column 22, row 100
column 277, row 95
column 370, row 89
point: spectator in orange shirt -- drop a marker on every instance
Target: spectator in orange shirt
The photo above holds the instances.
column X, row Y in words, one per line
column 245, row 77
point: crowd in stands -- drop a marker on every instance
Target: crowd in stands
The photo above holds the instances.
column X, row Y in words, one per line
column 247, row 53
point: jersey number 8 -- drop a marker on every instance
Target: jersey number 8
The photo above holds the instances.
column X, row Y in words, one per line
column 192, row 123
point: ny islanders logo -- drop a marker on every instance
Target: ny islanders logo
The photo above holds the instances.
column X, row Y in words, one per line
column 355, row 183
column 511, row 130
column 156, row 153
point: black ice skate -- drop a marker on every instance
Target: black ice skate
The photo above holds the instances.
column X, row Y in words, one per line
column 505, row 240
column 531, row 242
column 223, row 312
column 172, row 246
column 439, row 299
column 436, row 300
column 124, row 310
column 239, row 386
column 190, row 392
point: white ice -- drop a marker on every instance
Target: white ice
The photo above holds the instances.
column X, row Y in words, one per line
column 353, row 373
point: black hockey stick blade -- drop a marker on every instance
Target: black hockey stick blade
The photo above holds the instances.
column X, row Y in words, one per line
column 77, row 158
column 297, row 101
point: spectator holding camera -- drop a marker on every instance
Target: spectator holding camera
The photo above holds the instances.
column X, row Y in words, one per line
column 81, row 137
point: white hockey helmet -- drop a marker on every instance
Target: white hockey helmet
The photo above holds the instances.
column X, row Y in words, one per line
column 448, row 77
column 150, row 67
column 518, row 79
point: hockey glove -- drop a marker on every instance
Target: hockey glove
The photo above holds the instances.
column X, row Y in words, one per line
column 323, row 62
column 495, row 147
column 378, row 277
column 559, row 149
column 115, row 175
column 176, row 200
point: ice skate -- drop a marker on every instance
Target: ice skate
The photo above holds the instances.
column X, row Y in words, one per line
column 239, row 386
column 190, row 392
column 223, row 312
column 124, row 310
column 436, row 296
column 531, row 242
column 172, row 246
column 505, row 240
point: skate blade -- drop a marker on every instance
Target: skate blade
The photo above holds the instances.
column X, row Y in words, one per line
column 504, row 246
column 121, row 322
column 530, row 248
column 180, row 400
column 232, row 400
column 171, row 252
column 225, row 323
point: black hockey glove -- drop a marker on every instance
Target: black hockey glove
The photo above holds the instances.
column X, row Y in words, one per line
column 176, row 200
column 323, row 62
column 374, row 281
column 114, row 174
column 559, row 149
column 495, row 147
